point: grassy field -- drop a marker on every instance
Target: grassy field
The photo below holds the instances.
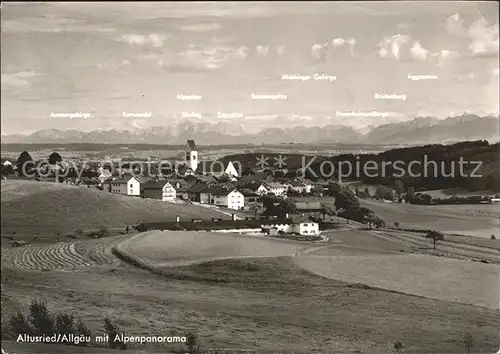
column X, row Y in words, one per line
column 262, row 304
column 422, row 275
column 480, row 220
column 172, row 248
column 29, row 207
column 459, row 192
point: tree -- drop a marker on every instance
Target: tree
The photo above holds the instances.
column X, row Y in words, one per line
column 410, row 196
column 347, row 201
column 367, row 191
column 254, row 208
column 468, row 342
column 193, row 342
column 224, row 179
column 112, row 331
column 399, row 187
column 22, row 163
column 286, row 206
column 334, row 189
column 384, row 193
column 326, row 210
column 435, row 236
column 54, row 158
column 40, row 318
column 292, row 192
column 369, row 218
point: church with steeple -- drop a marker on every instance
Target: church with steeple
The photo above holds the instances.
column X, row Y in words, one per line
column 191, row 155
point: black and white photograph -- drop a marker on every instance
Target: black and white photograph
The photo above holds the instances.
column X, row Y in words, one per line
column 208, row 177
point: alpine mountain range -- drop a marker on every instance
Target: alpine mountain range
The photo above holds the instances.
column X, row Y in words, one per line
column 280, row 129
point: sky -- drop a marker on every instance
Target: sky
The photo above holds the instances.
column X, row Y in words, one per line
column 106, row 58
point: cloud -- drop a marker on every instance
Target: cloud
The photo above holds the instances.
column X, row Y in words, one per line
column 447, row 53
column 19, row 79
column 208, row 58
column 340, row 42
column 280, row 49
column 113, row 66
column 201, row 27
column 151, row 40
column 391, row 46
column 242, row 52
column 319, row 51
column 262, row 50
column 484, row 38
column 418, row 52
column 455, row 25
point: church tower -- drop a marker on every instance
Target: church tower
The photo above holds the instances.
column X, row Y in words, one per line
column 191, row 155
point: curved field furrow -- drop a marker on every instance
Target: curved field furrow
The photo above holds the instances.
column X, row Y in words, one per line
column 68, row 254
column 99, row 252
column 22, row 257
column 52, row 254
column 60, row 256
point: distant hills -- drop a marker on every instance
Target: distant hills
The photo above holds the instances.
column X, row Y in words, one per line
column 422, row 130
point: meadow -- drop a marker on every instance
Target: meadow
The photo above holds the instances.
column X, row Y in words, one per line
column 358, row 292
column 44, row 208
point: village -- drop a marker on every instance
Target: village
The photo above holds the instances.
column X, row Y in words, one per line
column 207, row 183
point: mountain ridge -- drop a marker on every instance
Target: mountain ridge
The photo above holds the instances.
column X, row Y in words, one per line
column 420, row 130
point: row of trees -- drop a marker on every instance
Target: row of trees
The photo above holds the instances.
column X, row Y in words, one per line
column 25, row 163
column 437, row 167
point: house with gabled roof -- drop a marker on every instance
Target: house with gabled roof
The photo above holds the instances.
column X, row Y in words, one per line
column 276, row 188
column 230, row 198
column 126, row 184
column 160, row 189
column 301, row 225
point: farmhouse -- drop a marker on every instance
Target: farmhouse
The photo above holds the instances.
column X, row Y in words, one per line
column 309, row 208
column 228, row 197
column 276, row 188
column 300, row 187
column 250, row 196
column 161, row 190
column 301, row 225
column 194, row 192
column 258, row 188
column 123, row 185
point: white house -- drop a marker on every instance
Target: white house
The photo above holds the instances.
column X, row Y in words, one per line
column 7, row 163
column 304, row 226
column 161, row 190
column 300, row 187
column 299, row 225
column 228, row 198
column 123, row 185
column 276, row 188
column 260, row 190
